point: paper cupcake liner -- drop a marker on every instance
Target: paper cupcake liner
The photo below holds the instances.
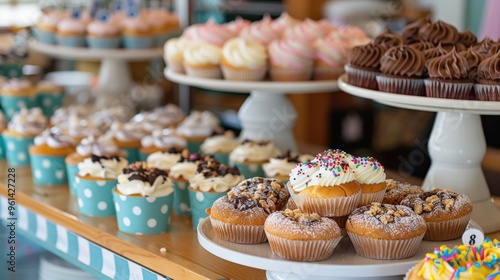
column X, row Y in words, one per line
column 244, row 234
column 17, row 150
column 182, row 206
column 207, row 73
column 244, row 75
column 327, row 73
column 302, row 250
column 361, row 78
column 401, row 85
column 13, row 104
column 48, row 170
column 446, row 230
column 487, row 92
column 2, row 147
column 143, row 215
column 131, row 42
column 250, row 170
column 383, row 249
column 95, row 197
column 367, row 198
column 200, row 201
column 50, row 102
column 440, row 89
column 175, row 65
column 104, row 43
column 71, row 172
column 290, row 75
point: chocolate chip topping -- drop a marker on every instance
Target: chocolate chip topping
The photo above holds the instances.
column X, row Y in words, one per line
column 290, row 157
column 140, row 171
column 302, row 218
column 173, row 150
column 211, row 167
column 187, row 157
column 260, row 143
column 96, row 158
column 385, row 213
column 269, row 194
column 431, row 200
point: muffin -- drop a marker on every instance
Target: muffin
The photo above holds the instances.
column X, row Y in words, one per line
column 211, row 181
column 239, row 217
column 488, row 80
column 244, row 60
column 197, row 127
column 143, row 200
column 202, row 60
column 298, row 236
column 385, row 231
column 446, row 213
column 402, row 70
column 161, row 140
column 220, row 145
column 250, row 156
column 279, row 167
column 370, row 174
column 173, row 53
column 137, row 31
column 71, row 31
column 102, row 33
column 127, row 137
column 49, row 96
column 16, row 94
column 364, row 65
column 397, row 191
column 290, row 60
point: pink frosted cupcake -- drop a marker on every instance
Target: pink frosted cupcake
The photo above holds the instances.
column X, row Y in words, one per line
column 309, row 30
column 210, row 32
column 103, row 33
column 331, row 56
column 244, row 60
column 284, row 21
column 71, row 31
column 238, row 24
column 355, row 36
column 261, row 31
column 291, row 60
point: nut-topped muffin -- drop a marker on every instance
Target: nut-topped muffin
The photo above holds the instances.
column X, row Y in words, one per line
column 397, row 191
column 384, row 231
column 239, row 217
column 446, row 213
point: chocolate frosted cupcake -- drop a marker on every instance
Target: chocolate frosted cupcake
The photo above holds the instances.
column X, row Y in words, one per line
column 402, row 70
column 440, row 32
column 488, row 79
column 411, row 31
column 422, row 45
column 485, row 46
column 389, row 39
column 448, row 77
column 474, row 58
column 467, row 38
column 364, row 65
column 434, row 52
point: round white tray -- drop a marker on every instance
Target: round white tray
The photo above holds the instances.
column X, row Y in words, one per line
column 343, row 264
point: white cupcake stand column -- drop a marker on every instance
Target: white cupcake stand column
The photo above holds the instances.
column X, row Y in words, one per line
column 456, row 146
column 266, row 114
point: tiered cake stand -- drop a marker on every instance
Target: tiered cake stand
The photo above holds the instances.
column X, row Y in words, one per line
column 456, row 146
column 266, row 114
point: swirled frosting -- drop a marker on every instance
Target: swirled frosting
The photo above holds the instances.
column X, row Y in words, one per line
column 28, row 122
column 367, row 56
column 186, row 166
column 238, row 24
column 79, row 127
column 485, row 46
column 248, row 53
column 127, row 132
column 301, row 175
column 198, row 124
column 474, row 58
column 411, row 31
column 254, row 151
column 439, row 32
column 404, row 61
column 174, row 47
column 99, row 146
column 283, row 164
column 106, row 117
column 389, row 39
column 102, row 167
column 202, row 54
column 367, row 170
column 451, row 66
column 164, row 160
column 308, row 30
column 220, row 144
column 284, row 21
column 54, row 138
column 164, row 138
column 422, row 45
column 467, row 38
column 290, row 53
column 261, row 31
column 434, row 52
column 160, row 117
column 62, row 115
column 139, row 178
column 489, row 69
column 332, row 50
column 210, row 32
column 214, row 176
column 354, row 35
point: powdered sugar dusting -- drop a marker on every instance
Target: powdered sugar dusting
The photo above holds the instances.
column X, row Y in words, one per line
column 397, row 191
column 313, row 228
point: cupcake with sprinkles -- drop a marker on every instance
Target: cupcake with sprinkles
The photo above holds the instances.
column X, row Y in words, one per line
column 370, row 175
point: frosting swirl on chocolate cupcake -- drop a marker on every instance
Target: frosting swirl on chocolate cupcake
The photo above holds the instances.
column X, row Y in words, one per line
column 489, row 70
column 389, row 39
column 403, row 60
column 451, row 66
column 467, row 38
column 411, row 31
column 474, row 58
column 434, row 52
column 423, row 45
column 485, row 45
column 439, row 32
column 366, row 56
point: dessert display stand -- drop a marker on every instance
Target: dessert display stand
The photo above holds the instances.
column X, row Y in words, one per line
column 456, row 146
column 266, row 114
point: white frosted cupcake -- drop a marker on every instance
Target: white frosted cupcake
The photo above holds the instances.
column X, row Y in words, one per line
column 244, row 60
column 371, row 176
column 164, row 160
column 161, row 140
column 197, row 127
column 173, row 53
column 102, row 33
column 202, row 60
column 280, row 167
column 250, row 156
column 160, row 117
column 220, row 146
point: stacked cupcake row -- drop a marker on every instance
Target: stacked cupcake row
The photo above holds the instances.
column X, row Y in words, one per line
column 287, row 49
column 429, row 59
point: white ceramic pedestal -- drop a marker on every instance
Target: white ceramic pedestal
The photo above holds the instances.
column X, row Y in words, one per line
column 456, row 146
column 267, row 114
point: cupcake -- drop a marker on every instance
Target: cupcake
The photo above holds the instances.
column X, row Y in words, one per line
column 137, row 31
column 244, row 60
column 353, row 35
column 389, row 39
column 237, row 25
column 434, row 52
column 411, row 31
column 16, row 94
column 71, row 31
column 61, row 116
column 422, row 46
column 197, row 127
column 20, row 135
column 485, row 46
column 3, row 126
column 239, row 217
column 261, row 31
column 467, row 38
column 47, row 157
column 385, row 232
column 448, row 77
column 211, row 181
column 298, row 236
column 209, row 33
column 46, row 26
column 279, row 167
column 402, row 70
column 143, row 200
column 163, row 22
column 160, row 117
column 308, row 31
column 49, row 96
column 331, row 56
column 202, row 60
column 250, row 156
column 161, row 140
column 364, row 65
column 397, row 191
column 446, row 213
column 488, row 80
column 284, row 21
column 127, row 137
column 370, row 174
column 102, row 33
column 440, row 32
column 291, row 60
column 164, row 159
column 474, row 58
column 96, row 178
column 220, row 145
column 79, row 127
column 174, row 53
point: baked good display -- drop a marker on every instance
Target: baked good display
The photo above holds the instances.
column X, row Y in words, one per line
column 16, row 94
column 161, row 140
column 480, row 261
column 385, row 231
column 220, row 145
column 299, row 236
column 364, row 65
column 49, row 96
column 244, row 60
column 250, row 156
column 279, row 167
column 127, row 137
column 239, row 217
column 197, row 127
column 370, row 174
column 446, row 213
column 396, row 191
column 487, row 87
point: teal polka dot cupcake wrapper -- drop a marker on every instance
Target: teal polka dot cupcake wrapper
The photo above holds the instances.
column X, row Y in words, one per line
column 48, row 170
column 12, row 104
column 182, row 205
column 200, row 201
column 2, row 147
column 193, row 146
column 131, row 42
column 50, row 102
column 250, row 170
column 71, row 41
column 131, row 154
column 223, row 158
column 45, row 37
column 71, row 171
column 95, row 197
column 17, row 150
column 143, row 215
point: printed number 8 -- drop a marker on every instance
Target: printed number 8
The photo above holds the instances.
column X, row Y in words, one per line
column 472, row 240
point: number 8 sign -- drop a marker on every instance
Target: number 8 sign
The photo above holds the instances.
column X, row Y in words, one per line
column 473, row 237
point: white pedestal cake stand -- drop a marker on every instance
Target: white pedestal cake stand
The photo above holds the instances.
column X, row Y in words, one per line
column 266, row 114
column 114, row 74
column 456, row 146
